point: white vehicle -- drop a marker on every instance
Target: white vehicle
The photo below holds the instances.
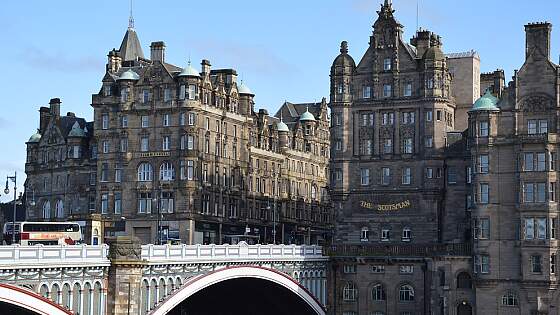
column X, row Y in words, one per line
column 46, row 233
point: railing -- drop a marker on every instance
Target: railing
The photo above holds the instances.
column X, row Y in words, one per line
column 411, row 250
column 16, row 256
column 220, row 253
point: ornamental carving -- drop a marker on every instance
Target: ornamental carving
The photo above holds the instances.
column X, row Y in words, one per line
column 407, row 131
column 536, row 103
column 386, row 132
column 125, row 249
column 366, row 132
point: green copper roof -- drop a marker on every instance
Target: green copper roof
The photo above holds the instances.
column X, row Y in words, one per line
column 307, row 116
column 282, row 127
column 243, row 89
column 129, row 75
column 76, row 131
column 35, row 138
column 189, row 71
column 486, row 102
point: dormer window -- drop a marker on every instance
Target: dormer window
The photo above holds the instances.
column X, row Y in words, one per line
column 145, row 96
column 107, row 90
column 166, row 95
column 387, row 64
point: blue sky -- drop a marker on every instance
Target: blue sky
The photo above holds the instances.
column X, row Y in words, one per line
column 282, row 49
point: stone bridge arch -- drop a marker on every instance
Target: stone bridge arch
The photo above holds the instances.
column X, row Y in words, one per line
column 30, row 301
column 198, row 283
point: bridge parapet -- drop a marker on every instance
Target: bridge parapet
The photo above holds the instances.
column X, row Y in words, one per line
column 19, row 257
column 227, row 253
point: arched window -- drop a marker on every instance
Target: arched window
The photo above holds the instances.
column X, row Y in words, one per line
column 364, row 234
column 349, row 293
column 60, row 209
column 166, row 171
column 378, row 292
column 47, row 210
column 406, row 293
column 464, row 281
column 313, row 192
column 509, row 299
column 145, row 172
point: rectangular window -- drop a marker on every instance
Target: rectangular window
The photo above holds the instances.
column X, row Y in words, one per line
column 481, row 228
column 387, row 90
column 190, row 170
column 145, row 202
column 118, row 202
column 364, row 174
column 105, row 121
column 407, row 146
column 532, row 127
column 192, row 92
column 377, row 269
column 167, row 95
column 553, row 263
column 145, row 121
column 387, row 146
column 118, row 173
column 535, row 228
column 469, row 175
column 191, row 119
column 481, row 264
column 166, row 202
column 483, row 164
column 541, row 162
column 429, row 115
column 451, row 175
column 104, row 203
column 552, row 161
column 124, row 145
column 124, row 94
column 349, row 269
column 438, row 115
column 385, row 176
column 104, row 172
column 552, row 191
column 483, row 129
column 406, row 269
column 182, row 92
column 543, row 126
column 484, row 193
column 528, row 160
column 166, row 120
column 106, row 146
column 406, row 176
column 366, row 92
column 387, row 64
column 429, row 142
column 145, row 96
column 536, row 263
column 553, row 226
column 429, row 173
column 124, row 121
column 166, row 143
column 407, row 89
column 144, row 144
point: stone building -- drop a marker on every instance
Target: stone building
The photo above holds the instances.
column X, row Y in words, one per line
column 399, row 169
column 442, row 206
column 185, row 153
column 61, row 184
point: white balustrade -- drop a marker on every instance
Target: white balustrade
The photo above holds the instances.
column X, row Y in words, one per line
column 223, row 253
column 53, row 256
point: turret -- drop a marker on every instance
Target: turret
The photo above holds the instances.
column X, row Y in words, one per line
column 246, row 99
column 341, row 74
column 188, row 83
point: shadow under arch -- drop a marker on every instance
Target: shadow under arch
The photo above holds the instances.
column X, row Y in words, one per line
column 197, row 284
column 23, row 301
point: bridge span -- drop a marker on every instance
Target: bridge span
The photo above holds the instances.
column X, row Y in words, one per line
column 125, row 277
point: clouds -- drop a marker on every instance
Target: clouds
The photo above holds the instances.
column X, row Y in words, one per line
column 38, row 58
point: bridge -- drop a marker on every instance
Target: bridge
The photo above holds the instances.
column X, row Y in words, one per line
column 125, row 277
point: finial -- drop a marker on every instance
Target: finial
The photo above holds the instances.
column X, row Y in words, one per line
column 131, row 18
column 344, row 47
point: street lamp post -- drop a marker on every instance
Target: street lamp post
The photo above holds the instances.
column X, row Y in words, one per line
column 7, row 191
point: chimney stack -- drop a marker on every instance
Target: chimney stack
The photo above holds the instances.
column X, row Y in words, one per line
column 55, row 107
column 205, row 66
column 44, row 115
column 157, row 51
column 537, row 36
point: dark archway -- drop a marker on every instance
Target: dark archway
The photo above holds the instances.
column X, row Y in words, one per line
column 464, row 309
column 244, row 296
column 8, row 308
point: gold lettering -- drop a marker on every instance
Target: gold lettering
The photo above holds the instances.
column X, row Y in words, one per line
column 386, row 207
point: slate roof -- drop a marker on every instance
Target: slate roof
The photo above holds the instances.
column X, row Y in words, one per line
column 130, row 46
column 291, row 112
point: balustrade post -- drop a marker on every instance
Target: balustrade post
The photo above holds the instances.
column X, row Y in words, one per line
column 125, row 275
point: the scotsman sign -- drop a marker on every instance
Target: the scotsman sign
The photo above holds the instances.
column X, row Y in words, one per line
column 385, row 207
